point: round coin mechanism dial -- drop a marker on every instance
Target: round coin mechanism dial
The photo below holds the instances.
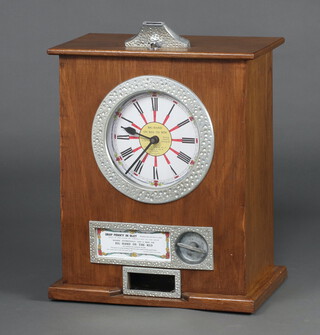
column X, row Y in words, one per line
column 191, row 248
column 153, row 139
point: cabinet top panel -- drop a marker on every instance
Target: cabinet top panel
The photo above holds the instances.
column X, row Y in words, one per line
column 206, row 47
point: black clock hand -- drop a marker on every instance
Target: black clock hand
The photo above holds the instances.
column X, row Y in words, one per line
column 153, row 140
column 132, row 131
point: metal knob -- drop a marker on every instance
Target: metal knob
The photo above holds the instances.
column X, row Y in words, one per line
column 191, row 248
column 157, row 35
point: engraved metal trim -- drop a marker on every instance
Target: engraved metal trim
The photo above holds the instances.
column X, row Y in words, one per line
column 175, row 232
column 176, row 273
column 155, row 35
column 109, row 106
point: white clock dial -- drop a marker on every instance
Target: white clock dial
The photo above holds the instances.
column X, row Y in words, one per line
column 138, row 120
column 152, row 139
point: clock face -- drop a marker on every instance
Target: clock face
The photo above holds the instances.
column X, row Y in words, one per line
column 142, row 117
column 153, row 139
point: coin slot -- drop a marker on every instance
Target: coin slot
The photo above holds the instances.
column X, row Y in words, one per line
column 150, row 23
column 151, row 282
column 191, row 248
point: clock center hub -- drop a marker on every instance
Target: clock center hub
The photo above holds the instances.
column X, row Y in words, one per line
column 156, row 129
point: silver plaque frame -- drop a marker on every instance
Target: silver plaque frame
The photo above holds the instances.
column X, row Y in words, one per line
column 174, row 294
column 174, row 231
column 110, row 104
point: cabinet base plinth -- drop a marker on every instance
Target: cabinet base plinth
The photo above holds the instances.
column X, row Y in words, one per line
column 217, row 302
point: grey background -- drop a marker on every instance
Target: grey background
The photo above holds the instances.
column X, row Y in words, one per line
column 29, row 228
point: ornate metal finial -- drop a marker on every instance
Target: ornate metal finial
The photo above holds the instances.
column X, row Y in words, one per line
column 156, row 35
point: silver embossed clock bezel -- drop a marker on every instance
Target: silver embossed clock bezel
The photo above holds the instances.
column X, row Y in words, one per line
column 122, row 93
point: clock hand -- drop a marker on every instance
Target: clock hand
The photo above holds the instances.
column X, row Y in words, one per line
column 132, row 131
column 153, row 140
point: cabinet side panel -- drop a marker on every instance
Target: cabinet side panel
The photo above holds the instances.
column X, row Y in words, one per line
column 217, row 202
column 259, row 170
column 78, row 92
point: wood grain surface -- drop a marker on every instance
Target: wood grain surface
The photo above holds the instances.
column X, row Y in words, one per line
column 219, row 47
column 248, row 303
column 235, row 198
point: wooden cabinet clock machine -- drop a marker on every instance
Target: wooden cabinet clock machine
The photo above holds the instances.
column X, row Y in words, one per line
column 167, row 170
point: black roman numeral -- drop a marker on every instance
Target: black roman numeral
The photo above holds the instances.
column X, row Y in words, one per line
column 126, row 119
column 175, row 173
column 138, row 107
column 183, row 123
column 171, row 109
column 123, row 137
column 138, row 167
column 155, row 173
column 127, row 153
column 188, row 140
column 168, row 115
column 154, row 101
column 185, row 158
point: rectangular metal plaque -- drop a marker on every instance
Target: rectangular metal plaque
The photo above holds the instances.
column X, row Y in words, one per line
column 128, row 245
column 143, row 244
